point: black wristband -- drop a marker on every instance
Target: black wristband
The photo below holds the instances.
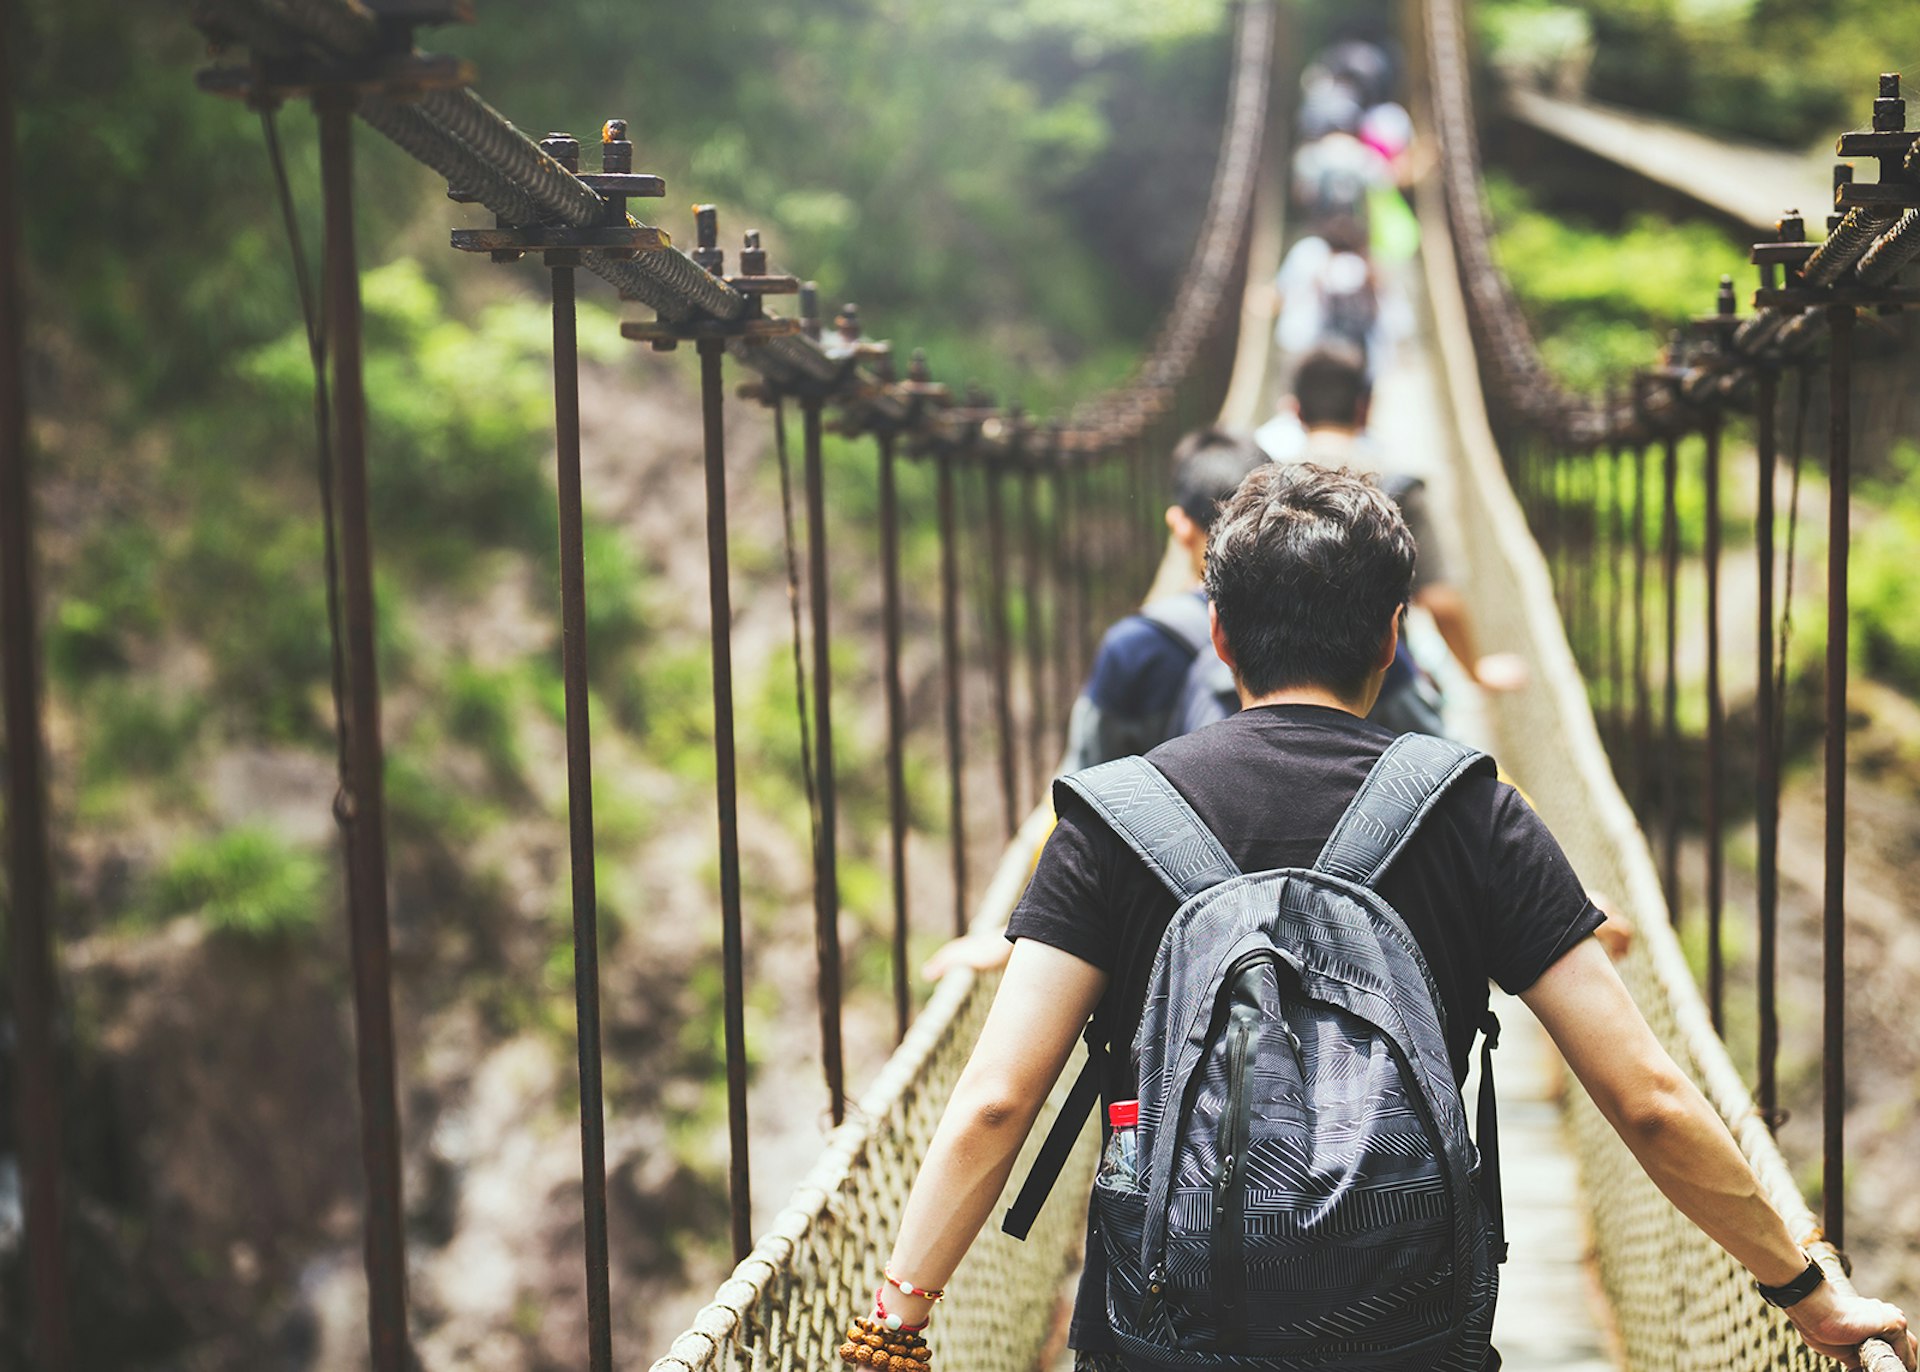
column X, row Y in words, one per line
column 1795, row 1291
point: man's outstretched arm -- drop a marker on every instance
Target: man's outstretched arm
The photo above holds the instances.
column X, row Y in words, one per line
column 1037, row 1015
column 1680, row 1140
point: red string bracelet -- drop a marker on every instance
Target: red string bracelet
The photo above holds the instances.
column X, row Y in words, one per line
column 892, row 1321
column 907, row 1288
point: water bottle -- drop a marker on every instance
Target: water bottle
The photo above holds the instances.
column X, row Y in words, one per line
column 1120, row 1164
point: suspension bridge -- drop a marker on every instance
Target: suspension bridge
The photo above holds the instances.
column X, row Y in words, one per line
column 1559, row 491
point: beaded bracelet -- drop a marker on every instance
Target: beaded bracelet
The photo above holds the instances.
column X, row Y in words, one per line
column 907, row 1288
column 870, row 1343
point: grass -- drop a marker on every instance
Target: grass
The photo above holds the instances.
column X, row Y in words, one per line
column 246, row 881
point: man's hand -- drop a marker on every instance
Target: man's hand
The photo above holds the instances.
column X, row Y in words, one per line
column 1835, row 1326
column 986, row 951
column 1501, row 672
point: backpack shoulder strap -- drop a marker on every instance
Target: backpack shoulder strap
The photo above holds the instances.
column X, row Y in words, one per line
column 1400, row 791
column 1140, row 805
column 1183, row 618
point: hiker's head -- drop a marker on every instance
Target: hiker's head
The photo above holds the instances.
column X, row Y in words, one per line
column 1208, row 467
column 1344, row 231
column 1330, row 388
column 1308, row 569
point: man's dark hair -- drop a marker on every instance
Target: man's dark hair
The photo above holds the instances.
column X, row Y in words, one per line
column 1307, row 567
column 1330, row 385
column 1208, row 466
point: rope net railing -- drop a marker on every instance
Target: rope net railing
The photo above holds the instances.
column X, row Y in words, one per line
column 1560, row 484
column 1045, row 525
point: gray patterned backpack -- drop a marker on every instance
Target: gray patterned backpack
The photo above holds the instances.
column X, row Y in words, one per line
column 1308, row 1193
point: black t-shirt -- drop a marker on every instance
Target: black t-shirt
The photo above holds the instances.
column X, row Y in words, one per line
column 1483, row 887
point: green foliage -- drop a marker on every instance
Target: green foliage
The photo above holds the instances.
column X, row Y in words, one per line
column 138, row 730
column 245, row 881
column 460, row 408
column 1755, row 69
column 1886, row 631
column 1599, row 298
column 961, row 168
column 481, row 712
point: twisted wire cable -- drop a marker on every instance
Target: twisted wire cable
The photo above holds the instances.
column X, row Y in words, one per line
column 1892, row 250
column 1850, row 238
column 414, row 134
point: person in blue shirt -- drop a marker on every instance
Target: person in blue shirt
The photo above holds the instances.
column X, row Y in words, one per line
column 1141, row 669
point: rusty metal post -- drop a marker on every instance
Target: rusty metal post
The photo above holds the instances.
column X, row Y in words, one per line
column 1034, row 564
column 1642, row 684
column 896, row 723
column 950, row 669
column 826, row 875
column 1002, row 649
column 1062, row 573
column 726, row 803
column 1086, row 543
column 1616, row 590
column 1833, row 914
column 586, row 915
column 364, row 802
column 1766, row 759
column 1716, row 738
column 1670, row 684
column 29, row 925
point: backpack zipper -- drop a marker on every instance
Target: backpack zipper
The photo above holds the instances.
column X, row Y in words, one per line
column 1230, row 1205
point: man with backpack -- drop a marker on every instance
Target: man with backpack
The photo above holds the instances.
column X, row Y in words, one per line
column 1278, row 935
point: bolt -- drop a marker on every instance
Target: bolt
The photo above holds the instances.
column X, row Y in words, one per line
column 616, row 153
column 563, row 148
column 1726, row 303
column 1889, row 111
column 706, row 231
column 847, row 322
column 616, row 156
column 1792, row 227
column 1842, row 176
column 810, row 310
column 753, row 257
column 917, row 368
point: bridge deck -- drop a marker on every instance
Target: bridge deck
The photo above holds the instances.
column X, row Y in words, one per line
column 1743, row 181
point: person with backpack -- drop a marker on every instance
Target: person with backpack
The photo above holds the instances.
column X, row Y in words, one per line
column 1277, row 935
column 1143, row 660
column 1327, row 425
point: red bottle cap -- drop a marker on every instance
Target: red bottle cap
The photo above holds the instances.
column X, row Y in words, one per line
column 1124, row 1114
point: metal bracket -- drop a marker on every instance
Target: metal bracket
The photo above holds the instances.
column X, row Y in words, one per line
column 754, row 282
column 564, row 244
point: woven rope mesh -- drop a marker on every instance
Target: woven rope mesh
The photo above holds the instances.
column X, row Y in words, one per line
column 786, row 1307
